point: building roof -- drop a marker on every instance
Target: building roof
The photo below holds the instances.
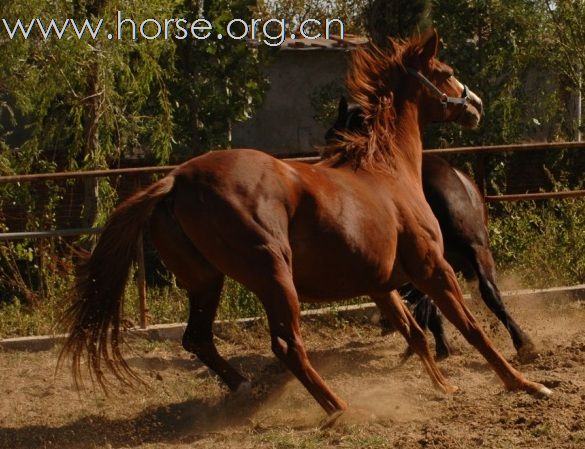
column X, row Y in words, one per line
column 335, row 43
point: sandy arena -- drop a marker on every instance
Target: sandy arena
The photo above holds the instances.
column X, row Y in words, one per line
column 393, row 405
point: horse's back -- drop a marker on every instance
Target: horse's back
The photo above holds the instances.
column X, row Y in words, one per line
column 243, row 193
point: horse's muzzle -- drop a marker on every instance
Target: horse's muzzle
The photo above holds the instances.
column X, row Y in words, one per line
column 471, row 116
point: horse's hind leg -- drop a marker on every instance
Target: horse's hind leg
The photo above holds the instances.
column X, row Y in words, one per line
column 198, row 337
column 203, row 284
column 484, row 266
column 281, row 302
column 427, row 315
column 391, row 306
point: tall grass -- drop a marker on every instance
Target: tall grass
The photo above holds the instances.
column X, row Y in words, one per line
column 167, row 304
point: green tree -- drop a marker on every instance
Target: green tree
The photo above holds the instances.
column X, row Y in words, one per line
column 85, row 103
column 217, row 82
column 294, row 12
column 396, row 18
column 68, row 104
column 566, row 35
column 566, row 46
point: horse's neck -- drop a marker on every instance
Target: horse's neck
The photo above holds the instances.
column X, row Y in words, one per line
column 408, row 140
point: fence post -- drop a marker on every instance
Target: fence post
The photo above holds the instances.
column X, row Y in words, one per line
column 141, row 281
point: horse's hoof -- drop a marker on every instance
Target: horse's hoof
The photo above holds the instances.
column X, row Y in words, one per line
column 535, row 389
column 407, row 354
column 244, row 388
column 330, row 421
column 527, row 353
column 386, row 326
column 542, row 392
column 451, row 389
column 442, row 356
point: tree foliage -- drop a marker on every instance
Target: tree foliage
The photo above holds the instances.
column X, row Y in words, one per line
column 145, row 97
column 566, row 35
column 83, row 103
column 217, row 82
column 396, row 18
column 68, row 104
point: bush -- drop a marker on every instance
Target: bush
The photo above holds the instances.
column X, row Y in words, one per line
column 541, row 242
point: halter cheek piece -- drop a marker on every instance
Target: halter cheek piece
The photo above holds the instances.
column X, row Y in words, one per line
column 437, row 93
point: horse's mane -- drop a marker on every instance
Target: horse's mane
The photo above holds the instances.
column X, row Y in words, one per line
column 371, row 82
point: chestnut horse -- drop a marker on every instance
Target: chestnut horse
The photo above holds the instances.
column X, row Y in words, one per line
column 462, row 214
column 356, row 224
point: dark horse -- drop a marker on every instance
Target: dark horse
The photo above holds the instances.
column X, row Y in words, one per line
column 459, row 207
column 355, row 224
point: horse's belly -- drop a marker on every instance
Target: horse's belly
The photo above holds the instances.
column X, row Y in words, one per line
column 323, row 271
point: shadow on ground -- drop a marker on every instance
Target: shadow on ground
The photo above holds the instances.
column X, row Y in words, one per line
column 183, row 422
column 191, row 420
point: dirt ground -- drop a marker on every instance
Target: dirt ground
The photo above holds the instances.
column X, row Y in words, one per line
column 392, row 405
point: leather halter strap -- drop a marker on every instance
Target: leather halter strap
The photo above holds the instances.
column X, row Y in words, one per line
column 442, row 96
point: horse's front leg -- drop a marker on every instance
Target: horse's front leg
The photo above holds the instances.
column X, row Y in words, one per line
column 392, row 307
column 436, row 278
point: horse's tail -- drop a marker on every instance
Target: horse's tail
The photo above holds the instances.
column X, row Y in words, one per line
column 93, row 318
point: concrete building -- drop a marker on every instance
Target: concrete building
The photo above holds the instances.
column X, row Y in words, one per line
column 285, row 124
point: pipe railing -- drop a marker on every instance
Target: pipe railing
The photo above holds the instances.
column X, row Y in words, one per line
column 26, row 178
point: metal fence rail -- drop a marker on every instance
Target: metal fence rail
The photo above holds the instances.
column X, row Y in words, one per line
column 39, row 177
column 7, row 236
column 487, row 149
column 535, row 196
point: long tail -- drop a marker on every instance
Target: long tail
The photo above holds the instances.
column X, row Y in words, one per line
column 93, row 319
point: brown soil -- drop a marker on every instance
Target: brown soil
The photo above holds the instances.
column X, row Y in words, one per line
column 393, row 405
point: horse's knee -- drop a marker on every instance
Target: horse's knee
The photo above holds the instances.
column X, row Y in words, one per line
column 412, row 331
column 287, row 348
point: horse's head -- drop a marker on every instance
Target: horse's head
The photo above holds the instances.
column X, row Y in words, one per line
column 443, row 97
column 396, row 90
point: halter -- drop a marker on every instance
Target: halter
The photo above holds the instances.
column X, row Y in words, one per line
column 437, row 93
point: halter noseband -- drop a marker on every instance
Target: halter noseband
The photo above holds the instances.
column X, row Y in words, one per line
column 442, row 96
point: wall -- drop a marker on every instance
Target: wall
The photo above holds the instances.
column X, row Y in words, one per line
column 285, row 123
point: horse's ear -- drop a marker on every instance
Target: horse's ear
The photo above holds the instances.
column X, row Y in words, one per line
column 429, row 46
column 342, row 108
